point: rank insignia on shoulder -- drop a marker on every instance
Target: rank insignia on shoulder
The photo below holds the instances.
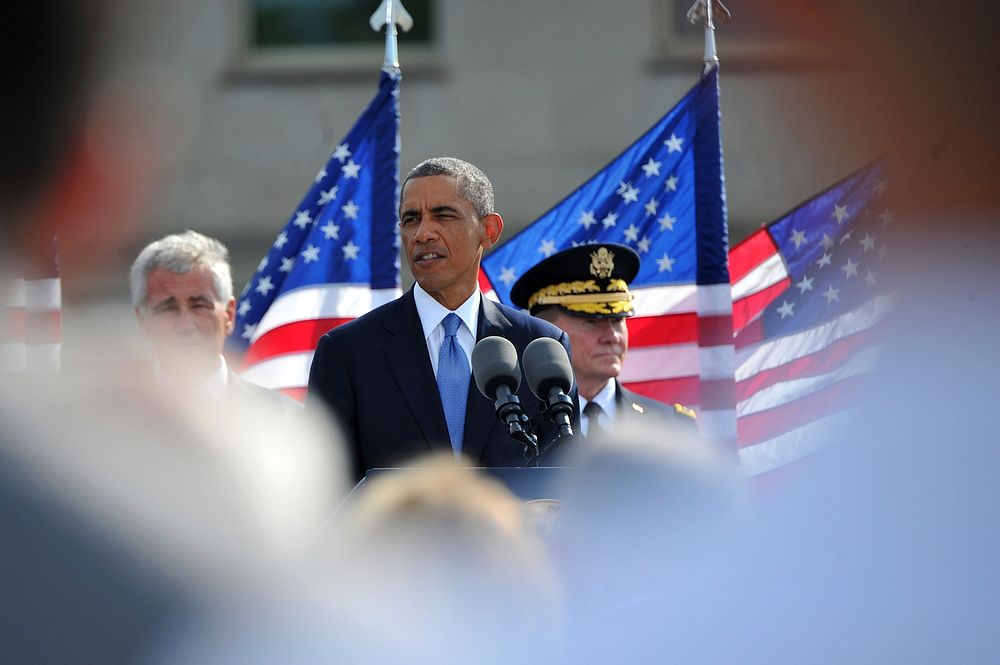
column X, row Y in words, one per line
column 638, row 408
column 682, row 410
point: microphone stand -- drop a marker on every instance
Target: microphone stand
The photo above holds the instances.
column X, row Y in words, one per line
column 508, row 410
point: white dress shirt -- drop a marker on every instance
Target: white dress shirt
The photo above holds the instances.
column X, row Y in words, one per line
column 212, row 389
column 609, row 406
column 432, row 313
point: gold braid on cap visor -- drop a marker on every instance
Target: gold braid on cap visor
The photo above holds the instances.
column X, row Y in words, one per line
column 586, row 296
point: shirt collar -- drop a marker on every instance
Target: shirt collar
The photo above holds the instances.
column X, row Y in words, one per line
column 431, row 312
column 211, row 388
column 604, row 399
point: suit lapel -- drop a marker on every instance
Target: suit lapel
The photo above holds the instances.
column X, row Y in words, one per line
column 480, row 417
column 410, row 366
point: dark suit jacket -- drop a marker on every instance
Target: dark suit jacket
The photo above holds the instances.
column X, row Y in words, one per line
column 633, row 405
column 375, row 375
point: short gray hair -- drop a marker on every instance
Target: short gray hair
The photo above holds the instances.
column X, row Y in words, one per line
column 472, row 183
column 181, row 253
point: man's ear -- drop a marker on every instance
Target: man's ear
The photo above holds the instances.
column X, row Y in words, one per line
column 230, row 315
column 493, row 228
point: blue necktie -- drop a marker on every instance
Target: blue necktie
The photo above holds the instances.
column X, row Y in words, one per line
column 453, row 380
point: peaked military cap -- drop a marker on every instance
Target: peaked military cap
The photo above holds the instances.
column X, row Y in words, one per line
column 588, row 280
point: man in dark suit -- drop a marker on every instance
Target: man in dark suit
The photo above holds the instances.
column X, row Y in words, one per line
column 398, row 378
column 182, row 294
column 584, row 291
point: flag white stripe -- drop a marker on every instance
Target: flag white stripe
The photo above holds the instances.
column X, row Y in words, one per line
column 43, row 295
column 768, row 273
column 778, row 351
column 288, row 371
column 43, row 357
column 659, row 300
column 13, row 356
column 792, row 445
column 14, row 294
column 718, row 424
column 714, row 300
column 323, row 301
column 789, row 391
column 717, row 362
column 650, row 363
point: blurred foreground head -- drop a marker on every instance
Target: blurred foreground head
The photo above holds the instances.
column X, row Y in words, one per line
column 449, row 559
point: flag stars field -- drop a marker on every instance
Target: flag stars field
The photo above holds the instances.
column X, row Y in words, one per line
column 302, row 219
column 351, row 251
column 281, row 240
column 674, row 143
column 839, row 213
column 831, row 294
column 651, row 207
column 310, row 253
column 330, row 231
column 587, row 219
column 651, row 168
column 287, row 263
column 798, row 237
column 351, row 169
column 786, row 309
column 671, row 183
column 341, row 152
column 244, row 307
column 870, row 279
column 868, row 242
column 824, row 260
column 850, row 268
column 609, row 220
column 667, row 222
column 507, row 276
column 264, row 285
column 350, row 210
column 665, row 263
column 644, row 245
column 632, row 233
column 547, row 248
column 262, row 264
column 886, row 217
column 327, row 195
column 805, row 284
column 248, row 330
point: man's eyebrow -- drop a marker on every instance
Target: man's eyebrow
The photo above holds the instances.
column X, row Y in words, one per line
column 200, row 298
column 162, row 304
column 439, row 209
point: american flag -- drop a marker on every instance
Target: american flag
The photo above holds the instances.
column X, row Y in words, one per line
column 336, row 258
column 807, row 297
column 31, row 320
column 665, row 197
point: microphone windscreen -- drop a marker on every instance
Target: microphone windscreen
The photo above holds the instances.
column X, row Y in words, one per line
column 547, row 366
column 494, row 363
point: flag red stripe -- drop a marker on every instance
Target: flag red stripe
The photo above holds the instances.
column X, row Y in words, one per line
column 821, row 362
column 768, row 424
column 717, row 394
column 484, row 281
column 295, row 393
column 683, row 390
column 43, row 327
column 13, row 324
column 748, row 307
column 715, row 330
column 290, row 338
column 750, row 253
column 662, row 330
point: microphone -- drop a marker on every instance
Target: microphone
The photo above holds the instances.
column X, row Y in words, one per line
column 550, row 377
column 498, row 376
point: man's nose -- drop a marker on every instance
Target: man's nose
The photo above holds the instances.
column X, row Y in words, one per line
column 427, row 231
column 184, row 321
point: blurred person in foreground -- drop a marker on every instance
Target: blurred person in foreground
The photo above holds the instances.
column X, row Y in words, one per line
column 584, row 291
column 182, row 294
column 431, row 564
column 121, row 514
column 399, row 378
column 646, row 517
